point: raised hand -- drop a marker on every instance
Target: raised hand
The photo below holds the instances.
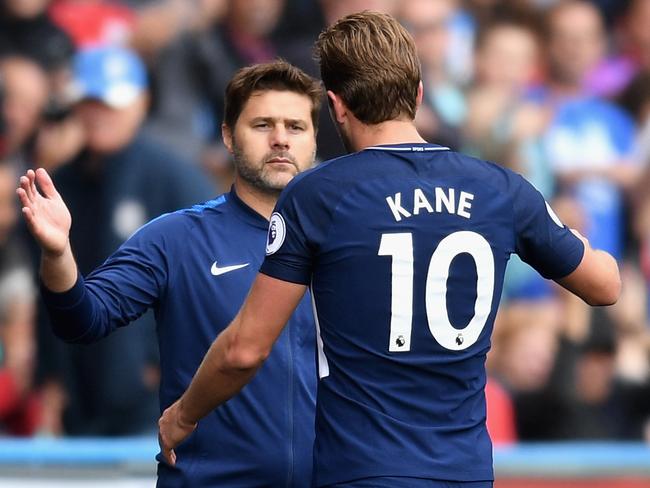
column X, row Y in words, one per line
column 47, row 216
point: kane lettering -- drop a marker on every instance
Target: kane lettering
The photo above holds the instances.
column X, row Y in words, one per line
column 443, row 199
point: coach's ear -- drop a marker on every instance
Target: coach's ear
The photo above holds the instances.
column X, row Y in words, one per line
column 337, row 108
column 226, row 135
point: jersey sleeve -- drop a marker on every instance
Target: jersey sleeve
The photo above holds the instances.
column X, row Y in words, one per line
column 296, row 229
column 542, row 240
column 131, row 280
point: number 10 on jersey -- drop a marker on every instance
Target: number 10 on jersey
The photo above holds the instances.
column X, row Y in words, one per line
column 400, row 248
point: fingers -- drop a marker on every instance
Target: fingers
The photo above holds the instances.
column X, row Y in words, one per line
column 27, row 183
column 45, row 183
column 27, row 195
column 31, row 177
column 26, row 186
column 165, row 448
column 24, row 199
column 40, row 177
column 171, row 433
column 27, row 208
column 28, row 213
column 167, row 452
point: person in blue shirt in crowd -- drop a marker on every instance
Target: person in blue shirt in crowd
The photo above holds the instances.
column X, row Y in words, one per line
column 404, row 245
column 193, row 267
column 589, row 142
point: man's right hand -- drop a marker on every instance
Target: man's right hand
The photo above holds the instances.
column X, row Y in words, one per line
column 47, row 216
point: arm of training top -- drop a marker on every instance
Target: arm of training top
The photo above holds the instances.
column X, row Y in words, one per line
column 233, row 358
column 596, row 279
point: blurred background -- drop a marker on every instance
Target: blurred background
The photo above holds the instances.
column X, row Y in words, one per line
column 122, row 101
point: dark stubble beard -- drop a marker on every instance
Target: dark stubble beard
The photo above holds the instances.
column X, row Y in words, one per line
column 254, row 175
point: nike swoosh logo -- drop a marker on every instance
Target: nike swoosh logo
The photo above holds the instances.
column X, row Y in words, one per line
column 216, row 270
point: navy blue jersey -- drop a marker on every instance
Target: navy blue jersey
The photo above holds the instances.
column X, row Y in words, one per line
column 405, row 249
column 194, row 268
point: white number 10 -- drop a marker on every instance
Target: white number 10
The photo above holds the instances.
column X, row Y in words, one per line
column 400, row 247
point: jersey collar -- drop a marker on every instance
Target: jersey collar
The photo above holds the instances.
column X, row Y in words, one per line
column 408, row 147
column 245, row 212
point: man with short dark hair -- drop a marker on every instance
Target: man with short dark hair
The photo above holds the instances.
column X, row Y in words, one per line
column 404, row 245
column 194, row 267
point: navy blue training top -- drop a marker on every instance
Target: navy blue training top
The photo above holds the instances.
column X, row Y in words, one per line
column 405, row 249
column 194, row 268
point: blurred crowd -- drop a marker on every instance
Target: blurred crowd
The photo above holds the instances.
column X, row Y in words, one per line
column 122, row 102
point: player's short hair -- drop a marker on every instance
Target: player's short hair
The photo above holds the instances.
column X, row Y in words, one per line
column 371, row 62
column 276, row 75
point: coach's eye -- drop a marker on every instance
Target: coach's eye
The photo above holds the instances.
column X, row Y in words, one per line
column 262, row 125
column 296, row 127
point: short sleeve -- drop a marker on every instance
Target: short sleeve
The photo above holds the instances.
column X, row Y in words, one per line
column 542, row 240
column 297, row 228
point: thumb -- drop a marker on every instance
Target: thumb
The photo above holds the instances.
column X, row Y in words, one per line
column 45, row 183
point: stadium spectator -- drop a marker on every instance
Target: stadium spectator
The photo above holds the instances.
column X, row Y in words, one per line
column 19, row 401
column 192, row 72
column 27, row 30
column 194, row 268
column 633, row 341
column 37, row 126
column 503, row 126
column 94, row 23
column 634, row 36
column 26, row 94
column 159, row 23
column 119, row 181
column 401, row 350
column 589, row 142
column 444, row 109
column 595, row 404
column 523, row 357
column 333, row 10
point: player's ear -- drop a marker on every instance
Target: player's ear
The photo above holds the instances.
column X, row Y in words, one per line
column 226, row 135
column 419, row 96
column 337, row 108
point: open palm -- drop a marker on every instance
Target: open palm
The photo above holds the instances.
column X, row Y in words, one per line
column 45, row 212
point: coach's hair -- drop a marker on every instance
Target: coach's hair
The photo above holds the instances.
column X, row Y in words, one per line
column 370, row 61
column 276, row 75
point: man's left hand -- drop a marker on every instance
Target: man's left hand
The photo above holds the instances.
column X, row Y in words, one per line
column 172, row 430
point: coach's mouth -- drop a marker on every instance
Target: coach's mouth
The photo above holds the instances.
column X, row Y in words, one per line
column 281, row 161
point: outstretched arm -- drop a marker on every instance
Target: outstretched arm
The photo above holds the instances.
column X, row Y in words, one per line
column 49, row 221
column 232, row 360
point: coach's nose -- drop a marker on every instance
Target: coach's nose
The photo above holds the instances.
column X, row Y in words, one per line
column 280, row 137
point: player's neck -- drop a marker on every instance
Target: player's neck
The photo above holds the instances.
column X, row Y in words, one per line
column 262, row 203
column 389, row 132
